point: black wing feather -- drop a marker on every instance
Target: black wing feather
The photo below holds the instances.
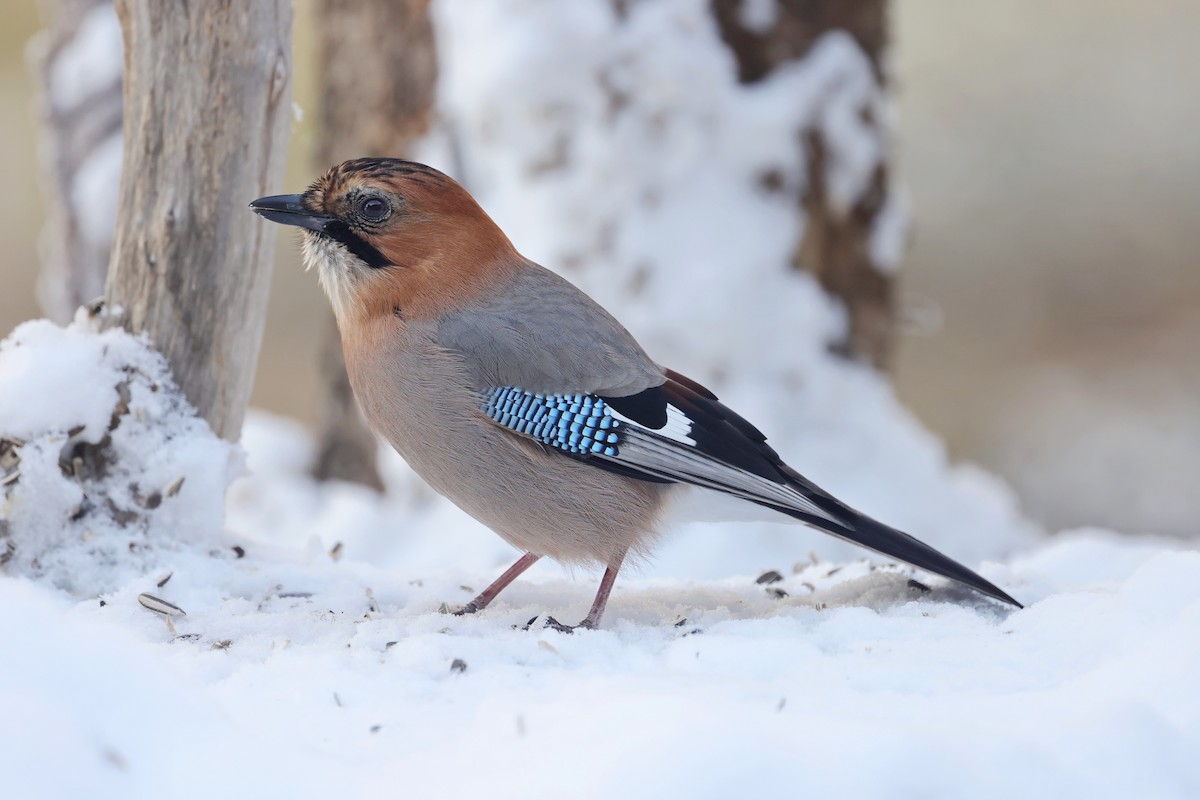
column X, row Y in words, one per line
column 711, row 446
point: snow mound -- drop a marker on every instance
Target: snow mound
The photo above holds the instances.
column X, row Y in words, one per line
column 101, row 457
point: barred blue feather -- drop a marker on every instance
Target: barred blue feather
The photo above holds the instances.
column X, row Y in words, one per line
column 576, row 423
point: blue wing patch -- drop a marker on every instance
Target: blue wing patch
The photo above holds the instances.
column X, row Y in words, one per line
column 576, row 423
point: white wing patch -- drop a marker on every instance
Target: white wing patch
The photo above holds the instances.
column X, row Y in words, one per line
column 677, row 429
column 670, row 452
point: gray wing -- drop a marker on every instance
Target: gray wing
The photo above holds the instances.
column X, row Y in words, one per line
column 541, row 333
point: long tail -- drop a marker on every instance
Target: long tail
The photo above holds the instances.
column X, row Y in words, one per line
column 860, row 529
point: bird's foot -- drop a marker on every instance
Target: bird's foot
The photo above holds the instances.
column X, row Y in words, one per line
column 587, row 625
column 469, row 608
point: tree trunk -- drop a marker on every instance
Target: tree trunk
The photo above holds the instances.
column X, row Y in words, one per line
column 207, row 115
column 377, row 77
column 837, row 243
column 77, row 66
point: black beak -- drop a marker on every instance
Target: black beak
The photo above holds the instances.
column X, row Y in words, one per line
column 286, row 209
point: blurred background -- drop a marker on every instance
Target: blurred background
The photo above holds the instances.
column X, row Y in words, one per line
column 1048, row 155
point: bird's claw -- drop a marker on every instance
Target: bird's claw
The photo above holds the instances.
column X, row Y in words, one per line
column 554, row 624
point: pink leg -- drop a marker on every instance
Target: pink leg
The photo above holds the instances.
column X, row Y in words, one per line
column 489, row 594
column 592, row 620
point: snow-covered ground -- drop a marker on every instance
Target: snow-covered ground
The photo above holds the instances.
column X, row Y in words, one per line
column 313, row 658
column 310, row 656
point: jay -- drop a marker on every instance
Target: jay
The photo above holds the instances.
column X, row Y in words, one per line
column 518, row 397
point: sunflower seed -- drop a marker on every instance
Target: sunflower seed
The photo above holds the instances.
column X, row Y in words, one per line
column 160, row 606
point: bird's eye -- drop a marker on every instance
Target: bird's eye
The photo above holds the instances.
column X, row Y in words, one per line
column 373, row 209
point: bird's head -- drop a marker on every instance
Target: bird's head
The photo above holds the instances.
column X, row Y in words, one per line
column 386, row 234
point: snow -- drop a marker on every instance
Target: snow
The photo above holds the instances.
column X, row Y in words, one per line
column 103, row 439
column 314, row 658
column 298, row 673
column 92, row 63
column 94, row 191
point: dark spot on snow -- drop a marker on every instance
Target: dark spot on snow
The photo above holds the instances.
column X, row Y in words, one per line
column 681, row 623
column 114, row 758
column 458, row 665
column 103, row 603
column 920, row 587
column 389, row 645
column 376, row 728
column 121, row 516
column 84, row 508
column 239, row 551
column 770, row 576
column 776, row 592
column 771, row 180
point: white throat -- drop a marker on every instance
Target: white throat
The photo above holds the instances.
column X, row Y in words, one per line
column 338, row 270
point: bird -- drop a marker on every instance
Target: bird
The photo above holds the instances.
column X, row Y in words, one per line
column 518, row 397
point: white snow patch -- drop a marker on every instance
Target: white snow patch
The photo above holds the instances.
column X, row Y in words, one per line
column 758, row 15
column 889, row 234
column 103, row 438
column 94, row 191
column 93, row 61
column 295, row 674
